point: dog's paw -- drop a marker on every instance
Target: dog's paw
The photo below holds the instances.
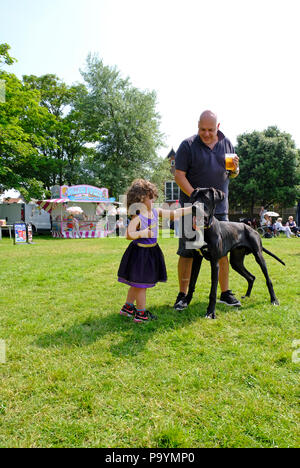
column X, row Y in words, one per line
column 275, row 303
column 211, row 316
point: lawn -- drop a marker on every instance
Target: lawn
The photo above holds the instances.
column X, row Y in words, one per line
column 77, row 374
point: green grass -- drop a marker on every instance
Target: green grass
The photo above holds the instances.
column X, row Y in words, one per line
column 77, row 374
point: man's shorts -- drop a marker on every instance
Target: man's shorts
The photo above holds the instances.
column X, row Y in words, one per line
column 190, row 253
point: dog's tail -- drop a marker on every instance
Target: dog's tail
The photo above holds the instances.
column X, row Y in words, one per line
column 272, row 255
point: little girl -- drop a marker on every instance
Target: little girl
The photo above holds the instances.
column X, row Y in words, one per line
column 143, row 264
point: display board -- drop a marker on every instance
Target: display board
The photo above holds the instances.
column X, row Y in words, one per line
column 20, row 234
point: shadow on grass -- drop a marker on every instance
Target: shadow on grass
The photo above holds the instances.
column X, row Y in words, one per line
column 127, row 338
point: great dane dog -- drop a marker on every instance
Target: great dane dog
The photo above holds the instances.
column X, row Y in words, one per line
column 221, row 238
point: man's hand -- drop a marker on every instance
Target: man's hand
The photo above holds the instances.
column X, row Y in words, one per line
column 235, row 161
column 193, row 196
column 235, row 173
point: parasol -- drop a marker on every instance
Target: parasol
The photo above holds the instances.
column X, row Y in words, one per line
column 121, row 211
column 112, row 211
column 74, row 210
column 271, row 213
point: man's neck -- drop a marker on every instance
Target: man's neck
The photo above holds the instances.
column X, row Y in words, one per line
column 213, row 144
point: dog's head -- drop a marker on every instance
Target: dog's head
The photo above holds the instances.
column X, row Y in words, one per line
column 203, row 214
column 209, row 197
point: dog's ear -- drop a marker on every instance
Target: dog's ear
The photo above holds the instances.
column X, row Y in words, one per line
column 195, row 195
column 219, row 195
column 216, row 195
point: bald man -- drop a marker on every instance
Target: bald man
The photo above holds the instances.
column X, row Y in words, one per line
column 200, row 162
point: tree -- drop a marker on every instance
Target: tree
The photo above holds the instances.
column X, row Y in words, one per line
column 64, row 161
column 269, row 170
column 161, row 172
column 22, row 133
column 21, row 123
column 5, row 58
column 121, row 120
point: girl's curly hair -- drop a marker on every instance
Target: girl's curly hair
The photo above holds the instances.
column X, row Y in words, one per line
column 139, row 190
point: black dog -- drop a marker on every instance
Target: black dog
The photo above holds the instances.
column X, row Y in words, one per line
column 222, row 237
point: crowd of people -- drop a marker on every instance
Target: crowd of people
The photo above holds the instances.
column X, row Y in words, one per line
column 274, row 228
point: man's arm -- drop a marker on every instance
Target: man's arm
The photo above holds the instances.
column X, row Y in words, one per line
column 182, row 182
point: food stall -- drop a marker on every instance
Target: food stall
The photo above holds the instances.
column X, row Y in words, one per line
column 80, row 211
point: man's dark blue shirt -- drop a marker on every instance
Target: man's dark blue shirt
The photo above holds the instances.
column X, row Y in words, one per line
column 205, row 167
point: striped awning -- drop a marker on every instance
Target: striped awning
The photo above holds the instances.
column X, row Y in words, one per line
column 48, row 205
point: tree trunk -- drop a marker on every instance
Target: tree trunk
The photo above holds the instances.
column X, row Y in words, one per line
column 252, row 208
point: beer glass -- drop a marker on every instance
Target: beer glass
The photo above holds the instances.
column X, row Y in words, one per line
column 229, row 164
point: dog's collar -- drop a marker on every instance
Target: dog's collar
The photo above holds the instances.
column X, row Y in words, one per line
column 210, row 222
column 209, row 225
column 200, row 250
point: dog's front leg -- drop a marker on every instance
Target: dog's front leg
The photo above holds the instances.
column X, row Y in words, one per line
column 197, row 260
column 214, row 265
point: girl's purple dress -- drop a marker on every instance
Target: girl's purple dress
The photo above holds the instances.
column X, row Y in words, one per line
column 143, row 264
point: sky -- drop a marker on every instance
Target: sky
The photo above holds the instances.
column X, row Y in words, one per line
column 238, row 58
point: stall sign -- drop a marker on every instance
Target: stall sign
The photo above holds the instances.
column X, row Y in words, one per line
column 84, row 193
column 20, row 233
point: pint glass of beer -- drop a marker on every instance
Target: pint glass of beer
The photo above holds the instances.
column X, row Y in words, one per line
column 229, row 164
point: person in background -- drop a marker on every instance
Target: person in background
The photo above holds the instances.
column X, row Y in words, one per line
column 262, row 214
column 293, row 226
column 267, row 222
column 279, row 227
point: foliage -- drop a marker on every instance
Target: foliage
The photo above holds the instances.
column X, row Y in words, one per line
column 121, row 120
column 20, row 122
column 5, row 58
column 77, row 374
column 161, row 173
column 55, row 134
column 269, row 170
column 23, row 130
column 63, row 162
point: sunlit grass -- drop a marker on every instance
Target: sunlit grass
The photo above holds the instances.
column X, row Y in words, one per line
column 77, row 374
